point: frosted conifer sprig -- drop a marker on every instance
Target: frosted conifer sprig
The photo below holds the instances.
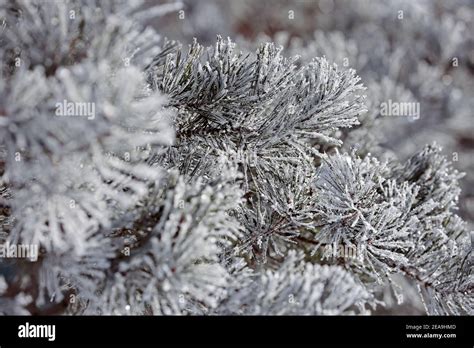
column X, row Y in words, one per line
column 71, row 176
column 359, row 208
column 95, row 161
column 175, row 268
column 217, row 90
column 388, row 216
column 259, row 110
column 297, row 287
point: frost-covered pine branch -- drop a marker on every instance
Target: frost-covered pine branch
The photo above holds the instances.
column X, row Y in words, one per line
column 70, row 174
column 400, row 219
column 173, row 267
column 263, row 113
column 297, row 288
